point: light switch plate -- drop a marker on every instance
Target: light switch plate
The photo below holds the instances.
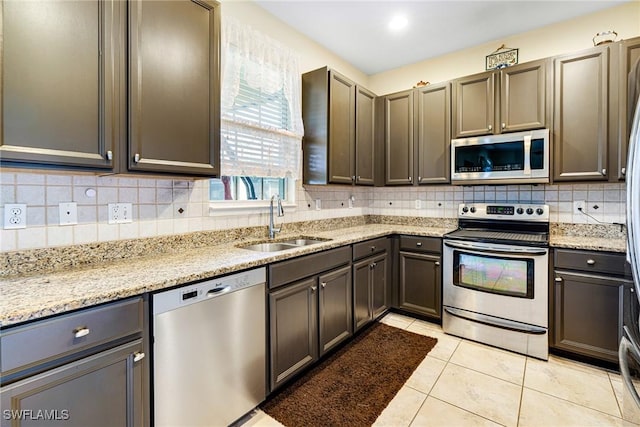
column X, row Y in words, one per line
column 68, row 213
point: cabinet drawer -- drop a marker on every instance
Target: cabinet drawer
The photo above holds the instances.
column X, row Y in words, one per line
column 597, row 262
column 420, row 244
column 370, row 247
column 295, row 269
column 24, row 346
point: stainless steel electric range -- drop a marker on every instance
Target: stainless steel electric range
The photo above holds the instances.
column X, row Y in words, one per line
column 495, row 276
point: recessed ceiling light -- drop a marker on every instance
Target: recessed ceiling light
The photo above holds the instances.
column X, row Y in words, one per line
column 398, row 23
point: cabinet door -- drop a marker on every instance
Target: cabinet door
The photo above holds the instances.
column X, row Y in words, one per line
column 334, row 309
column 342, row 93
column 74, row 393
column 362, row 272
column 365, row 136
column 433, row 133
column 379, row 280
column 588, row 314
column 61, row 70
column 174, row 86
column 294, row 329
column 420, row 284
column 523, row 99
column 629, row 56
column 398, row 139
column 580, row 127
column 473, row 105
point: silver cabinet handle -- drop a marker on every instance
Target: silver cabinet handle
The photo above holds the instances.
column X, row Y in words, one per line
column 375, row 265
column 109, row 155
column 323, row 284
column 371, row 266
column 373, row 248
column 136, row 158
column 313, row 288
column 490, row 127
column 504, row 126
column 358, row 178
column 409, row 179
column 623, row 171
column 138, row 356
column 604, row 171
column 419, row 244
column 437, row 263
column 353, row 178
column 591, row 261
column 80, row 332
column 558, row 279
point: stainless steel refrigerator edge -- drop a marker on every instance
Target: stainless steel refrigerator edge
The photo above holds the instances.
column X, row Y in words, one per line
column 629, row 350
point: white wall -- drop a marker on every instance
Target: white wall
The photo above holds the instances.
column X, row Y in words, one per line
column 568, row 36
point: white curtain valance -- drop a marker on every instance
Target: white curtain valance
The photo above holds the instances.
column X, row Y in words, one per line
column 261, row 105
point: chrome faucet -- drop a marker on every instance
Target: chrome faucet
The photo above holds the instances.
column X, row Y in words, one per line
column 272, row 229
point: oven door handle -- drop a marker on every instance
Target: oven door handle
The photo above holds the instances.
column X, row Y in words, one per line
column 501, row 251
column 495, row 321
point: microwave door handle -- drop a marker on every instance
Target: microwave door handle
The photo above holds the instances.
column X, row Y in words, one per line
column 501, row 251
column 527, row 155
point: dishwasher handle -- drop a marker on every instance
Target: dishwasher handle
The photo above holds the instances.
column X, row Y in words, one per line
column 218, row 290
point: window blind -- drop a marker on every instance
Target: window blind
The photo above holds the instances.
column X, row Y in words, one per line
column 261, row 114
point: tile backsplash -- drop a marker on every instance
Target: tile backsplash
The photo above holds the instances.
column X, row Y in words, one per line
column 172, row 206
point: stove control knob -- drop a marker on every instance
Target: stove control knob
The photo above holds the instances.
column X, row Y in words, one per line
column 473, row 210
column 539, row 211
column 530, row 211
column 465, row 209
column 520, row 211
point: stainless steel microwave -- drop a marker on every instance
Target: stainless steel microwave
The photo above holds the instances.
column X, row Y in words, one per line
column 509, row 158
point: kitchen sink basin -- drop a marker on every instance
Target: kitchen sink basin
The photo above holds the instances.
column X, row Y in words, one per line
column 283, row 245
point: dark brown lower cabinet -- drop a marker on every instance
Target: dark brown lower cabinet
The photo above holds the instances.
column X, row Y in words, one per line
column 369, row 289
column 420, row 284
column 588, row 289
column 588, row 314
column 308, row 318
column 105, row 389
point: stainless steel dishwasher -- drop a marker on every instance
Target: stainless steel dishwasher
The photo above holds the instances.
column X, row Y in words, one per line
column 209, row 344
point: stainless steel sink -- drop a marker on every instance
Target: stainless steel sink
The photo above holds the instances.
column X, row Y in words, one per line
column 283, row 245
column 269, row 247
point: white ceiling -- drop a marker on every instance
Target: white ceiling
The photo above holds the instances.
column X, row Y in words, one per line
column 358, row 32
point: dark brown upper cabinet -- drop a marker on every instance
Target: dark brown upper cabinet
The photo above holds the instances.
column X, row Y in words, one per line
column 174, row 87
column 339, row 133
column 581, row 114
column 62, row 82
column 629, row 53
column 508, row 100
column 398, row 138
column 417, row 135
column 433, row 133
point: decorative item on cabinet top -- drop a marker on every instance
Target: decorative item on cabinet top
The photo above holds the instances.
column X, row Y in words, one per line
column 421, row 83
column 502, row 57
column 604, row 37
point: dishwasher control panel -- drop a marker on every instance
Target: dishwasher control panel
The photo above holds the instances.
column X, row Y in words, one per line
column 193, row 293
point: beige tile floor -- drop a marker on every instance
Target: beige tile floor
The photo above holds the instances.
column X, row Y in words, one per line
column 463, row 383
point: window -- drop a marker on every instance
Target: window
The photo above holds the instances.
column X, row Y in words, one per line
column 261, row 117
column 247, row 188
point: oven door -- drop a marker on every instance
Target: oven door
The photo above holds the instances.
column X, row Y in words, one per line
column 502, row 281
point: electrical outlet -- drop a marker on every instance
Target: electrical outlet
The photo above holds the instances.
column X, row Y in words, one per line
column 418, row 204
column 350, row 202
column 68, row 213
column 318, row 204
column 120, row 213
column 15, row 216
column 578, row 206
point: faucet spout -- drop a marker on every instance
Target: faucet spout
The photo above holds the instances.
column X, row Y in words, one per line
column 280, row 212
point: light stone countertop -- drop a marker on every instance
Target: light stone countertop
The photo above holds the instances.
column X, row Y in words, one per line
column 30, row 297
column 610, row 244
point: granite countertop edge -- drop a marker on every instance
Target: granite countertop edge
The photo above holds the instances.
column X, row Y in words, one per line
column 31, row 297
